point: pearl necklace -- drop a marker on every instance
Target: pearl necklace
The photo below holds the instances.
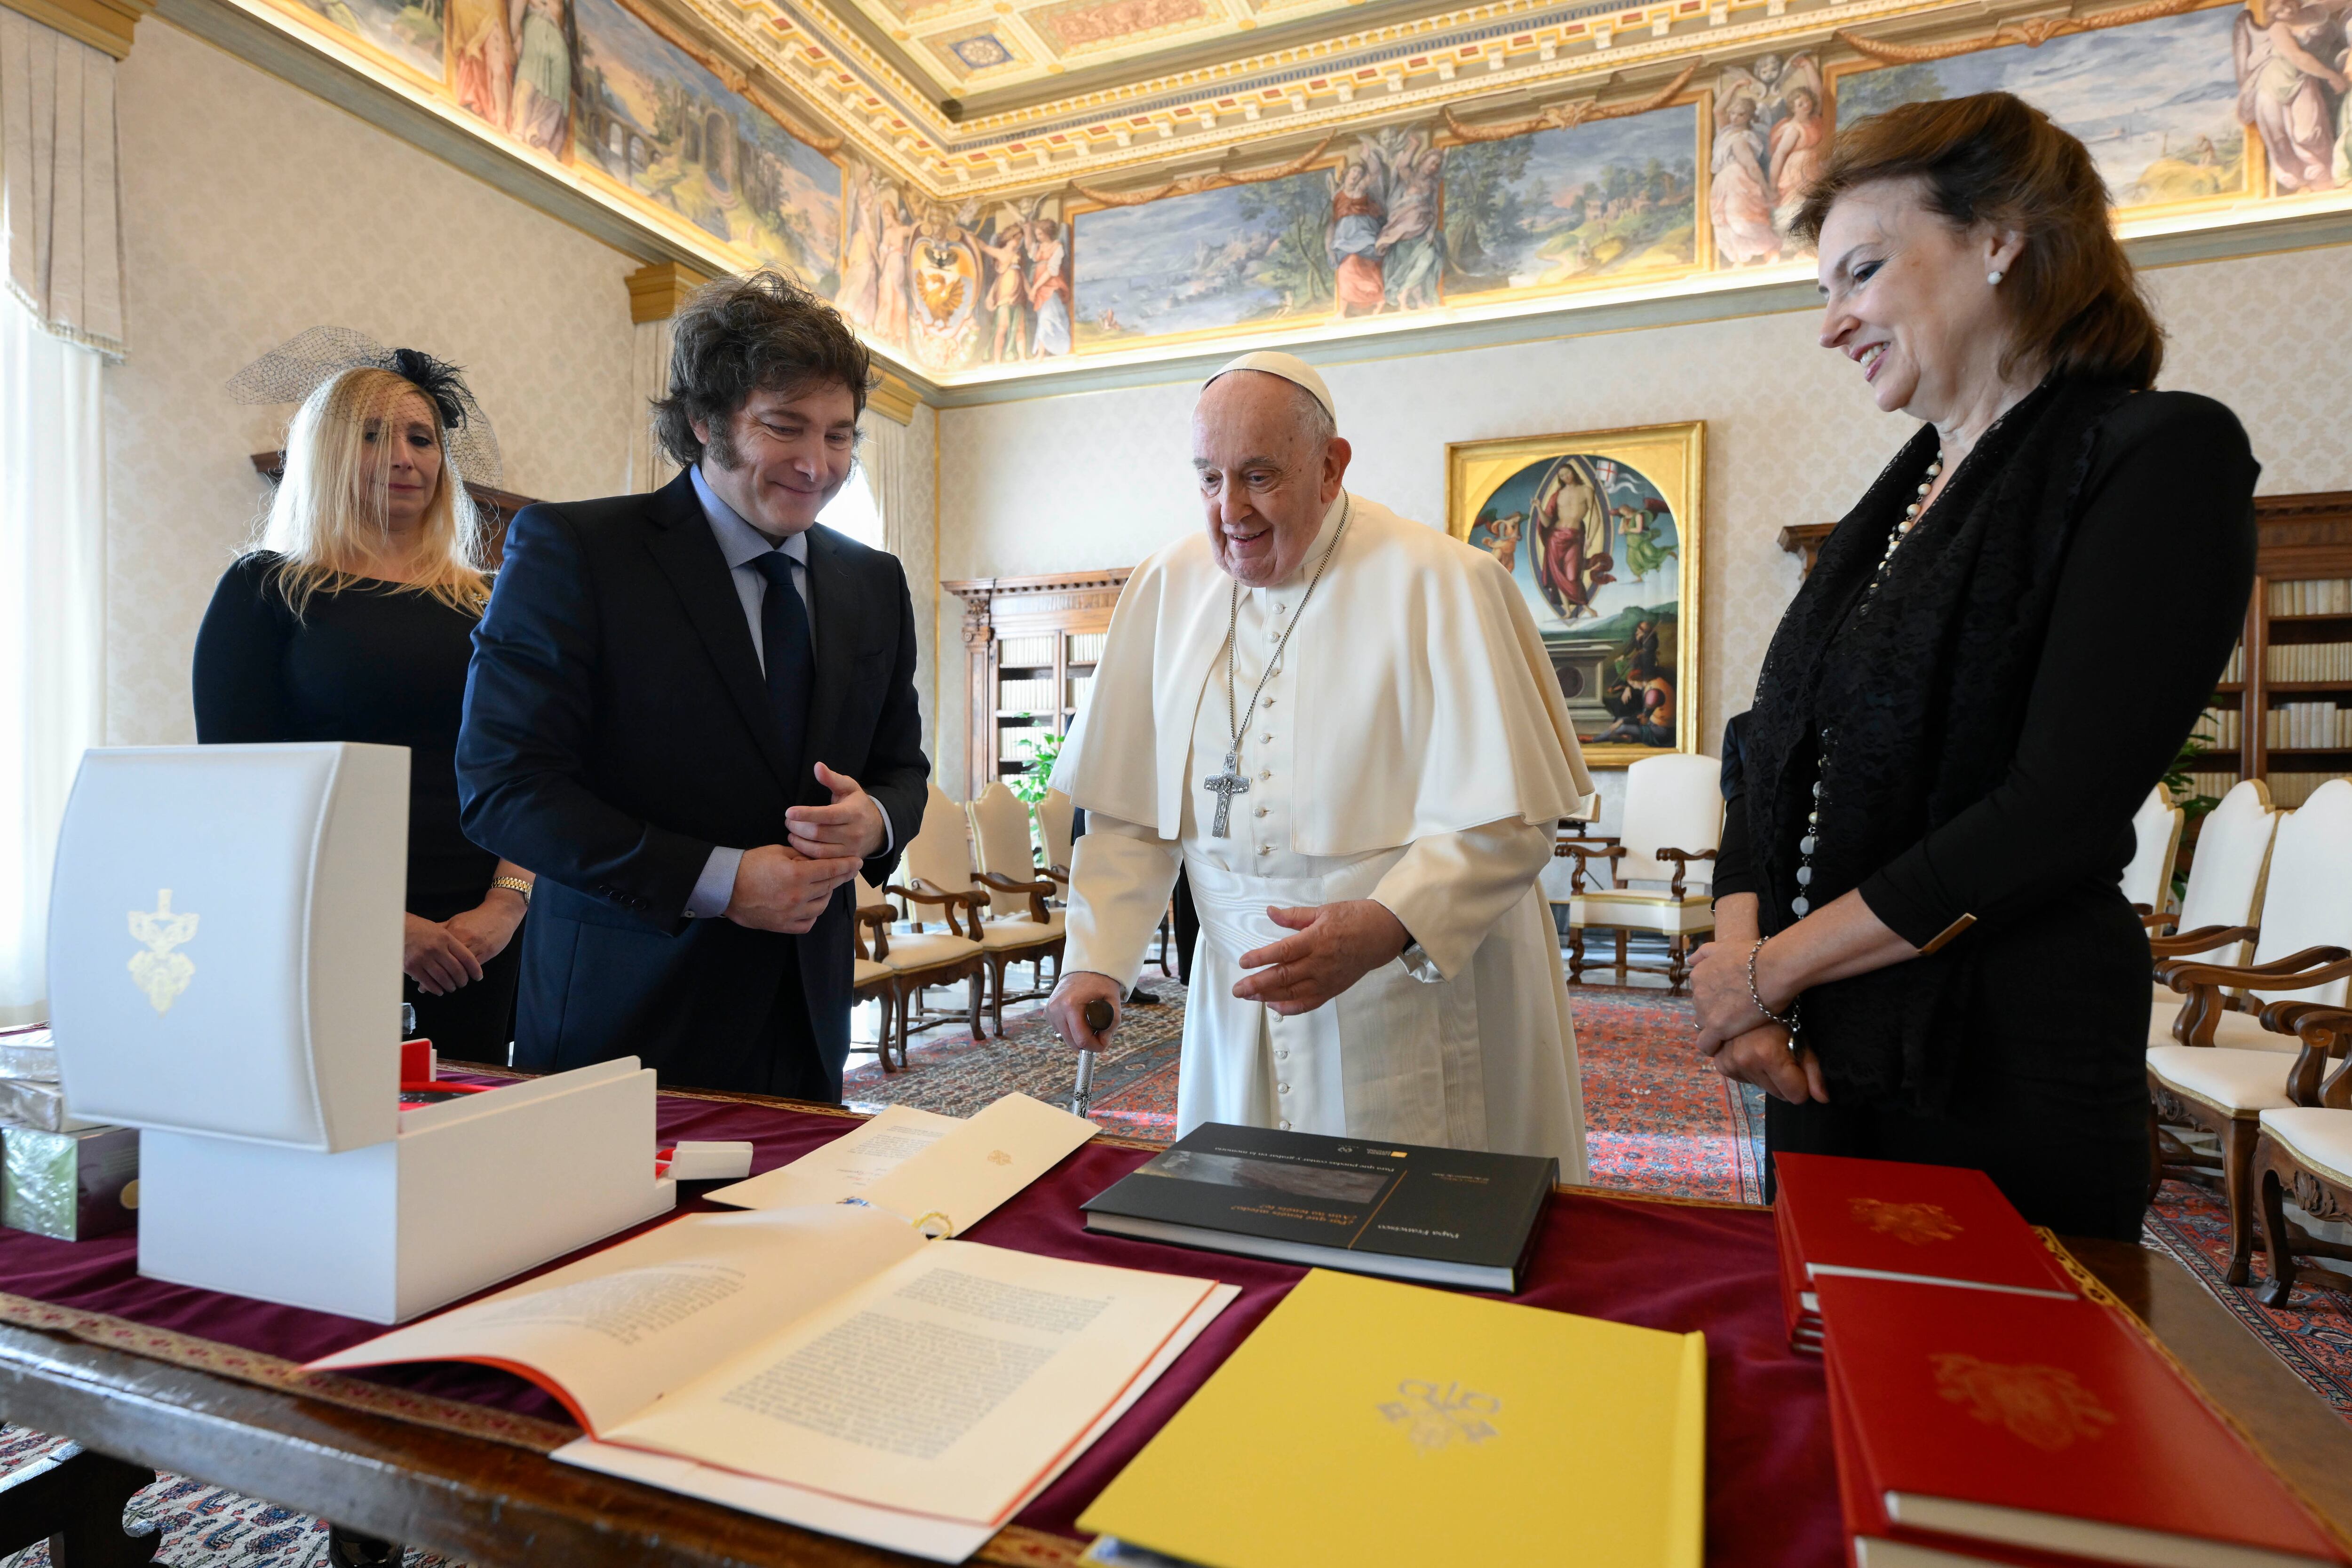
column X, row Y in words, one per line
column 1801, row 905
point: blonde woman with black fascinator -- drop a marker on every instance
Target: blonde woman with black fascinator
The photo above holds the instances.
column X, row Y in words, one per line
column 350, row 617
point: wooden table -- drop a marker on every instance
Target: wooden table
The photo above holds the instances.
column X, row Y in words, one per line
column 490, row 1503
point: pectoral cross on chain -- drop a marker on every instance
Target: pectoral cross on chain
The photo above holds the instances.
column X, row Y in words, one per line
column 1224, row 786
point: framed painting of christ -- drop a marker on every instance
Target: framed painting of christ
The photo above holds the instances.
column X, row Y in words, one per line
column 1600, row 534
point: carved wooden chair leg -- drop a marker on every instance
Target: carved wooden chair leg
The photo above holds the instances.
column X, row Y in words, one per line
column 2238, row 1168
column 2155, row 1153
column 76, row 1505
column 997, row 964
column 1675, row 971
column 905, row 998
column 2280, row 1246
column 1621, row 954
column 975, row 1005
column 1576, row 954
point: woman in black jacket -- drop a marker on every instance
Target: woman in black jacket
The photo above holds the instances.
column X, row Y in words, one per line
column 353, row 620
column 1922, row 950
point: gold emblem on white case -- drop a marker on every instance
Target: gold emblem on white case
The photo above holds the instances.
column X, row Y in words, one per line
column 1437, row 1417
column 161, row 973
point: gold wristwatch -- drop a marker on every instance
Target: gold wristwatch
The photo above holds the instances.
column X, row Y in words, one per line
column 514, row 884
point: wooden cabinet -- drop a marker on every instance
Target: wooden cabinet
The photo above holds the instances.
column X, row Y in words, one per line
column 1030, row 646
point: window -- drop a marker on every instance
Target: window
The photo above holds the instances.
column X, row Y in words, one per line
column 853, row 511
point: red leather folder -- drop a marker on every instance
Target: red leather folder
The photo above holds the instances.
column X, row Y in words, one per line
column 1885, row 1219
column 2009, row 1428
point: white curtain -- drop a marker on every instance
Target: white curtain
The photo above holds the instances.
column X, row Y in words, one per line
column 884, row 456
column 649, row 467
column 52, row 624
column 60, row 201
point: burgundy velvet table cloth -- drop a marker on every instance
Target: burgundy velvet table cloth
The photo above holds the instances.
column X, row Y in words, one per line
column 1664, row 1264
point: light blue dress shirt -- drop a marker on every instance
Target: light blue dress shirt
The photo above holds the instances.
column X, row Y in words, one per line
column 741, row 544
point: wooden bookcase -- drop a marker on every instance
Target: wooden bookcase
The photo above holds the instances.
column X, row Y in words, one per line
column 1030, row 644
column 2301, row 540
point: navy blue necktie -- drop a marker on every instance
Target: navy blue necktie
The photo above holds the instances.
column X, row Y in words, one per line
column 790, row 654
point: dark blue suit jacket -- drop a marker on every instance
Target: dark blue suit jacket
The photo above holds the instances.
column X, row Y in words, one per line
column 617, row 727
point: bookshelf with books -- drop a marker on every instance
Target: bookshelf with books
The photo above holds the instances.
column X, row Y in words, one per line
column 2282, row 710
column 1030, row 645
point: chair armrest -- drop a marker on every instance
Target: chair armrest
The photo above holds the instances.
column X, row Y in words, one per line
column 1681, row 859
column 917, row 891
column 2203, row 937
column 878, row 920
column 2154, row 920
column 1584, row 855
column 1060, row 875
column 2311, row 967
column 2325, row 1032
column 1038, row 891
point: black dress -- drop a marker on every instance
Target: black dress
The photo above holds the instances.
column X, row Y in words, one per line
column 383, row 664
column 2018, row 1047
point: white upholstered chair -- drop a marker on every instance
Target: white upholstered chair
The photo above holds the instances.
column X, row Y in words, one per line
column 2156, row 846
column 1055, row 819
column 936, row 872
column 1028, row 930
column 2219, row 912
column 1662, row 861
column 2222, row 1081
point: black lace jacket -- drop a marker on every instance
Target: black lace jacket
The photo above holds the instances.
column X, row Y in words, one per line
column 2043, row 643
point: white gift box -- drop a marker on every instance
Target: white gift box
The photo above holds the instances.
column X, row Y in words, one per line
column 224, row 941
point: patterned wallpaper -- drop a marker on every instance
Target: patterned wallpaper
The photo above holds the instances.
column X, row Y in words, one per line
column 1098, row 479
column 252, row 211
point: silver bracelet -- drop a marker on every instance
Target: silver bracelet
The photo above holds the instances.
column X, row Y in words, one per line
column 1787, row 1021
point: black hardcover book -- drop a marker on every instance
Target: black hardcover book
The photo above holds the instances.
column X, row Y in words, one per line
column 1438, row 1217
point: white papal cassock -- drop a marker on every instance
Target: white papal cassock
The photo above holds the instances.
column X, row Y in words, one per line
column 1412, row 748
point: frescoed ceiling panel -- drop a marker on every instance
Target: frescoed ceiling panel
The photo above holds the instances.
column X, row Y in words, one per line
column 1446, row 169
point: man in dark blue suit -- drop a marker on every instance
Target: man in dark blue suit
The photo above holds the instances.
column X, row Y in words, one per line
column 693, row 715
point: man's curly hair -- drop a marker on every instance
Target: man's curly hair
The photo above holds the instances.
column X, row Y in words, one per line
column 740, row 335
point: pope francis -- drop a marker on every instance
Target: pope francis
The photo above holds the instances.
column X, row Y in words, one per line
column 1344, row 727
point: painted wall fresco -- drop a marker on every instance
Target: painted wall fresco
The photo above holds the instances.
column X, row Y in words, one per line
column 1206, row 262
column 954, row 288
column 655, row 121
column 2157, row 103
column 2246, row 98
column 1771, row 139
column 1560, row 208
column 590, row 83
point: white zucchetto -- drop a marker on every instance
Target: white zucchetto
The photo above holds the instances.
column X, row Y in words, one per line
column 1290, row 366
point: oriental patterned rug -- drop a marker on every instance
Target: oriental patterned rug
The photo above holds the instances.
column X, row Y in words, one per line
column 2312, row 1333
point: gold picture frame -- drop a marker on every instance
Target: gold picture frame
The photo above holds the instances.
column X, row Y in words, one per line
column 1601, row 594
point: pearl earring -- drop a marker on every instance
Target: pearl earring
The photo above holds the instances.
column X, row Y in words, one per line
column 1993, row 279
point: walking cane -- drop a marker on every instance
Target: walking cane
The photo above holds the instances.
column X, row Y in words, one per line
column 1099, row 1018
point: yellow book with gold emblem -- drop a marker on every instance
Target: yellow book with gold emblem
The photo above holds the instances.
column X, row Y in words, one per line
column 1369, row 1423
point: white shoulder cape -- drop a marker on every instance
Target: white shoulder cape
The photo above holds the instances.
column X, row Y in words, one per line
column 1427, row 702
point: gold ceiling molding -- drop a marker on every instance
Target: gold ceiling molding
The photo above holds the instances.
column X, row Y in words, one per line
column 658, row 290
column 101, row 24
column 1568, row 116
column 1216, row 180
column 891, row 397
column 2031, row 31
column 1531, row 63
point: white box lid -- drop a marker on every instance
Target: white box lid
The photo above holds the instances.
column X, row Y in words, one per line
column 225, row 940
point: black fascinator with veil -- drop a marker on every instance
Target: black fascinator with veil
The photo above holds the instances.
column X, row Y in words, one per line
column 300, row 366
